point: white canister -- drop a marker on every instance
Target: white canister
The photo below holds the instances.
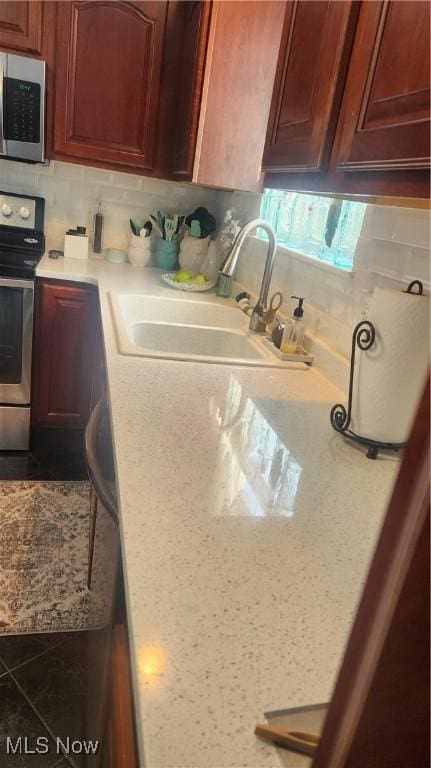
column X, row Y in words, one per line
column 139, row 252
column 193, row 251
column 75, row 247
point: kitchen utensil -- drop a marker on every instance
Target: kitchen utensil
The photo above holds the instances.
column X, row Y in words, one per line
column 277, row 334
column 180, row 224
column 207, row 222
column 274, row 304
column 136, row 226
column 175, row 219
column 161, row 223
column 299, row 741
column 146, row 229
column 155, row 224
column 307, row 719
column 195, row 228
column 190, row 286
column 170, row 227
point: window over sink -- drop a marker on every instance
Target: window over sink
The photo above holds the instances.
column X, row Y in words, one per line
column 323, row 228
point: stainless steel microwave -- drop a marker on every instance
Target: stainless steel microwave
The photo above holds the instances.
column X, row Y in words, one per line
column 22, row 108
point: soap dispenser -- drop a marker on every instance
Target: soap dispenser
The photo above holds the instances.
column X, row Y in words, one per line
column 293, row 334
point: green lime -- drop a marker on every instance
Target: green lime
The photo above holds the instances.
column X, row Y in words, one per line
column 200, row 279
column 183, row 276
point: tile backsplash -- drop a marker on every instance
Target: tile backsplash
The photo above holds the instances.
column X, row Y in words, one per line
column 393, row 249
column 72, row 192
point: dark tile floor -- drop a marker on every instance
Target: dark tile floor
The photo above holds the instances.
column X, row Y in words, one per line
column 54, row 455
column 42, row 695
column 43, row 678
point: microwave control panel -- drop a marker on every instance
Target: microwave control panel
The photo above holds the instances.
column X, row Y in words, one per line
column 22, row 110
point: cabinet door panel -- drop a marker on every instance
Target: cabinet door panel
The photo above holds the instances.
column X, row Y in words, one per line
column 243, row 47
column 310, row 73
column 109, row 58
column 21, row 25
column 385, row 115
column 195, row 40
column 65, row 334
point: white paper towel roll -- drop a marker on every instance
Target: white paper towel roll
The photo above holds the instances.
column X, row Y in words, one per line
column 389, row 378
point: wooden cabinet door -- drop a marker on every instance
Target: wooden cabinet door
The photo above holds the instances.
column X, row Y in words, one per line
column 108, row 68
column 195, row 41
column 121, row 750
column 21, row 26
column 243, row 45
column 64, row 346
column 314, row 49
column 99, row 381
column 385, row 116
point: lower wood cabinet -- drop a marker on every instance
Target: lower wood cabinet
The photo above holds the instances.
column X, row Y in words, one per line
column 120, row 741
column 67, row 343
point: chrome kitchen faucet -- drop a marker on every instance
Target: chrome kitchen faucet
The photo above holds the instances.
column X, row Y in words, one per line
column 262, row 315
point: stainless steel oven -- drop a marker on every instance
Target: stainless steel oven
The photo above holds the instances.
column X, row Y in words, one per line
column 22, row 108
column 16, row 333
column 21, row 246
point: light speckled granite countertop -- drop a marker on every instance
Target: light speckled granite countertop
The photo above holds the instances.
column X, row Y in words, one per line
column 246, row 524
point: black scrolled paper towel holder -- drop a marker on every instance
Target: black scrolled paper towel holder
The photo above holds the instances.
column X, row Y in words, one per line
column 363, row 337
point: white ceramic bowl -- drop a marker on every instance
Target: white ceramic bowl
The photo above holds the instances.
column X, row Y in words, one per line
column 115, row 256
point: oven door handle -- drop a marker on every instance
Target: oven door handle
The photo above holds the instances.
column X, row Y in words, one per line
column 3, row 62
column 10, row 282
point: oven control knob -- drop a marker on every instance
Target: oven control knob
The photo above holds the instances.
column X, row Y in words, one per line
column 24, row 212
column 6, row 209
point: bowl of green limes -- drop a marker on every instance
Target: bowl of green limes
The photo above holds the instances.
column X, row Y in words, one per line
column 183, row 280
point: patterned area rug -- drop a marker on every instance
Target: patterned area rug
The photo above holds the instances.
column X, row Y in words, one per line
column 44, row 556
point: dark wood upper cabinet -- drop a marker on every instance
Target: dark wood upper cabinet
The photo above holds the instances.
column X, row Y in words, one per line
column 65, row 346
column 21, row 26
column 386, row 111
column 194, row 35
column 241, row 58
column 313, row 58
column 226, row 74
column 107, row 70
